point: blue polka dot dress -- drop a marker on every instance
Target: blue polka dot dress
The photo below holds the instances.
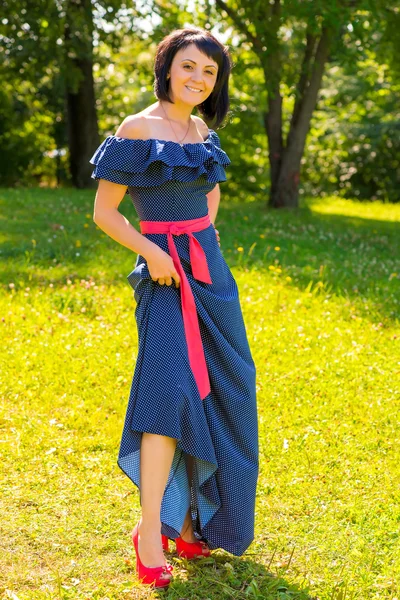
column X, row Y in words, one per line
column 168, row 181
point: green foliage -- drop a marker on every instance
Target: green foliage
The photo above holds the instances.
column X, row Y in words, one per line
column 353, row 146
column 37, row 67
column 27, row 138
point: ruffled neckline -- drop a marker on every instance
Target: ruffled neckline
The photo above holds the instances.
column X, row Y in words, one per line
column 152, row 161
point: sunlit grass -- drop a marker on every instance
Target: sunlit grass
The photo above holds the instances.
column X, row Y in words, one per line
column 320, row 291
column 375, row 210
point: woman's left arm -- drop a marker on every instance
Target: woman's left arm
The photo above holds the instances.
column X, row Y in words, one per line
column 213, row 199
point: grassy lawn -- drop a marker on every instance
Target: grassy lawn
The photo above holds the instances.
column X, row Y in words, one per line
column 320, row 292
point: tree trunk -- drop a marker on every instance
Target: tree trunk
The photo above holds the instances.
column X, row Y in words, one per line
column 82, row 127
column 285, row 186
column 273, row 126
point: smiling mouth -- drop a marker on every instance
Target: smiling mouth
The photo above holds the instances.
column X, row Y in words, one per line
column 192, row 89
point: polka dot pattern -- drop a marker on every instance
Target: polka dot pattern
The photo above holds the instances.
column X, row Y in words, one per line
column 167, row 182
column 152, row 162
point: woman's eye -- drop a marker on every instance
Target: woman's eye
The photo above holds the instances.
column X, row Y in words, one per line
column 190, row 66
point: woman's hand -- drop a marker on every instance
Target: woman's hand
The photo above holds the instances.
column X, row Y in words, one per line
column 161, row 267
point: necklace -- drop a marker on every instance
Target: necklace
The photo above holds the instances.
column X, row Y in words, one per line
column 190, row 122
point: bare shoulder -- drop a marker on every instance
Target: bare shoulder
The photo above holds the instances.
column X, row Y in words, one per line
column 201, row 126
column 133, row 127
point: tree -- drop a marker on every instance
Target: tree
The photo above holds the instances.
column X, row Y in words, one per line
column 54, row 41
column 80, row 99
column 293, row 40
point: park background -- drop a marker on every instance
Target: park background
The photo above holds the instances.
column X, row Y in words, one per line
column 309, row 224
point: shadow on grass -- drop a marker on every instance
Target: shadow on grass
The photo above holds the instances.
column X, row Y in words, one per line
column 49, row 235
column 354, row 257
column 225, row 577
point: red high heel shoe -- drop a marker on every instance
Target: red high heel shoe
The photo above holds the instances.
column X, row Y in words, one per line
column 187, row 550
column 150, row 575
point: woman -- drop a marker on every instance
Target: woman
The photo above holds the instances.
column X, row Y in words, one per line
column 190, row 440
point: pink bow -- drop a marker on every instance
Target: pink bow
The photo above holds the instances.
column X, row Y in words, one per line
column 198, row 261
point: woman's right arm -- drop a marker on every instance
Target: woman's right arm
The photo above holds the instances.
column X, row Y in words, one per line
column 108, row 198
column 107, row 216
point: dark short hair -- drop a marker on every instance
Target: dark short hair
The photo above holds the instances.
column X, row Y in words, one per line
column 216, row 106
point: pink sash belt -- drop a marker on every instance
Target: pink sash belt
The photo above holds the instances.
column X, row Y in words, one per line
column 200, row 272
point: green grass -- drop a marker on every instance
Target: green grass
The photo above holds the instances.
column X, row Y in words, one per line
column 320, row 292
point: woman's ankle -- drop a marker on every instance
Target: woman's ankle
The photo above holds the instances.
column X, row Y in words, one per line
column 187, row 528
column 150, row 525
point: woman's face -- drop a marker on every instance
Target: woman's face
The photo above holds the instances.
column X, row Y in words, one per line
column 193, row 76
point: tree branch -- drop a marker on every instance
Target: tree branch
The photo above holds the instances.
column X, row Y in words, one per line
column 304, row 78
column 255, row 41
column 298, row 133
